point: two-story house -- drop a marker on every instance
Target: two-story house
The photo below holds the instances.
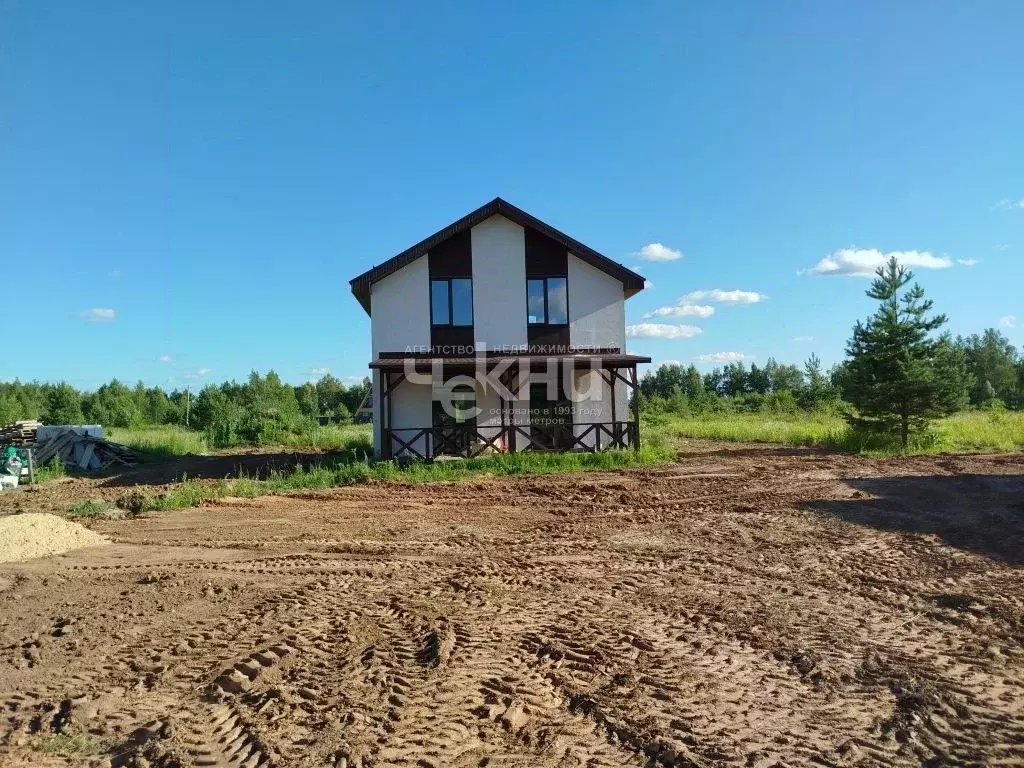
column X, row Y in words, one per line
column 500, row 333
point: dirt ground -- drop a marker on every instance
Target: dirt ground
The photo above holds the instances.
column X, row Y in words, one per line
column 741, row 607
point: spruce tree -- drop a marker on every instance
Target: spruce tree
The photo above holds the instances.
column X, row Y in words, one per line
column 898, row 376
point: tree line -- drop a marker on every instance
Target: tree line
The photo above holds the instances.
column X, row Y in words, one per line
column 262, row 409
column 898, row 375
column 994, row 369
column 772, row 387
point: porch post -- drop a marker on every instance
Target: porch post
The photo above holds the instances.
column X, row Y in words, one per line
column 636, row 407
column 615, row 418
column 501, row 410
column 385, row 431
column 513, row 387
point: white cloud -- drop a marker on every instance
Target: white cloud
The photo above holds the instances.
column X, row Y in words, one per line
column 662, row 331
column 319, row 372
column 166, row 359
column 862, row 262
column 723, row 357
column 1006, row 204
column 718, row 296
column 669, row 362
column 115, row 273
column 658, row 252
column 196, row 374
column 968, row 262
column 682, row 310
column 98, row 315
column 1010, row 321
column 803, row 338
column 1000, row 247
column 648, row 284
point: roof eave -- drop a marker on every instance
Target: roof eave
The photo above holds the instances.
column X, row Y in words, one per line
column 361, row 285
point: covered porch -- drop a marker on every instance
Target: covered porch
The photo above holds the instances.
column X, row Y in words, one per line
column 431, row 407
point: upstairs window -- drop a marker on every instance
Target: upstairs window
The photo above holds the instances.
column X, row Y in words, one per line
column 451, row 301
column 547, row 301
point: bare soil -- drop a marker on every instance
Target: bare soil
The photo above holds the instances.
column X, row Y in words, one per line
column 32, row 535
column 741, row 607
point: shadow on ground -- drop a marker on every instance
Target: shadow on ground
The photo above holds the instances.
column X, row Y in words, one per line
column 256, row 465
column 977, row 513
column 757, row 450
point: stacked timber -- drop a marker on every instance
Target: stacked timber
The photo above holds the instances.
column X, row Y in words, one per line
column 81, row 448
column 19, row 433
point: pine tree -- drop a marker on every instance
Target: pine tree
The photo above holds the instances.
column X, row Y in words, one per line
column 898, row 376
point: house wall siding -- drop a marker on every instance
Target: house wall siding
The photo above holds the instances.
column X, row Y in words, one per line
column 490, row 413
column 597, row 315
column 499, row 283
column 400, row 307
column 400, row 318
column 411, row 409
column 593, row 404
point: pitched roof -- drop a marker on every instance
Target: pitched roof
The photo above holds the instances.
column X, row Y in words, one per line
column 631, row 281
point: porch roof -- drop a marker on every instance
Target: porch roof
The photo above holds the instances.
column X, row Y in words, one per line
column 536, row 362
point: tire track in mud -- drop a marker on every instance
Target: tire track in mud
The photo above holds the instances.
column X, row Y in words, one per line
column 672, row 620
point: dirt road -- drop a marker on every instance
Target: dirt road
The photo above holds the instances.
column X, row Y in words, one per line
column 742, row 607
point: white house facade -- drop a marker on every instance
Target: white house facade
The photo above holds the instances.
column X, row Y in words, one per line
column 500, row 333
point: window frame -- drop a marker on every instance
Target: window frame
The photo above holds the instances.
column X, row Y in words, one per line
column 451, row 303
column 547, row 315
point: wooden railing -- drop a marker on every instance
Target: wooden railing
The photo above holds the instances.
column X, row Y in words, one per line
column 468, row 441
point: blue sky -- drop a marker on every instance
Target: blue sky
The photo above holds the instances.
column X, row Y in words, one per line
column 186, row 188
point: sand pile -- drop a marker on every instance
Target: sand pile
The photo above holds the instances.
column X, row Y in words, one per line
column 34, row 534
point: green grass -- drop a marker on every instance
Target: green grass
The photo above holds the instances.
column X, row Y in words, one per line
column 349, row 437
column 162, row 441
column 984, row 430
column 992, row 430
column 171, row 441
column 336, row 473
column 788, row 429
column 77, row 745
column 971, row 431
column 51, row 471
column 88, row 508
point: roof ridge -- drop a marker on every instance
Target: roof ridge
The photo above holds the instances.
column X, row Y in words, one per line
column 361, row 284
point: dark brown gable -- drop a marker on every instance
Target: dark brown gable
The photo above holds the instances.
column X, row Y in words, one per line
column 545, row 257
column 631, row 281
column 452, row 257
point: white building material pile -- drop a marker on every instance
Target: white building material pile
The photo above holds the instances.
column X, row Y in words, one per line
column 79, row 447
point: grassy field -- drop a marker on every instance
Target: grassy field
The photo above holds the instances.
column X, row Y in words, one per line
column 987, row 430
column 662, row 434
column 165, row 441
column 994, row 430
column 169, row 441
column 350, row 437
column 341, row 472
